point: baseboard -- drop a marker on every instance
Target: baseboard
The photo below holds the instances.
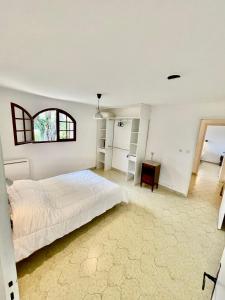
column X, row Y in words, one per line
column 113, row 169
column 92, row 168
column 210, row 162
column 161, row 185
column 119, row 171
column 173, row 191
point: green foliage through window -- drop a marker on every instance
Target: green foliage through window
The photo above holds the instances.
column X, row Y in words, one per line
column 45, row 126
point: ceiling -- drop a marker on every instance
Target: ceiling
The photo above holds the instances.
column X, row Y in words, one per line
column 72, row 49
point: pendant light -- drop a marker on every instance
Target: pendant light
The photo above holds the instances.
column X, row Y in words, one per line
column 98, row 115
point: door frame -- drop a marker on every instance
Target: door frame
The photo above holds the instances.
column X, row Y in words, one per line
column 204, row 123
column 8, row 274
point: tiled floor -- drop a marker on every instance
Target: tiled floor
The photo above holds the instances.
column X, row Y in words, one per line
column 155, row 250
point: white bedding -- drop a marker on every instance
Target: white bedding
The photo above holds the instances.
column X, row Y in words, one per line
column 45, row 210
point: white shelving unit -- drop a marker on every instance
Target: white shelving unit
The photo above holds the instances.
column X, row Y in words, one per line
column 104, row 143
column 107, row 151
column 143, row 125
column 132, row 156
column 138, row 141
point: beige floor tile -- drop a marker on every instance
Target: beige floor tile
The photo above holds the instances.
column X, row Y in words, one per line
column 156, row 247
column 111, row 293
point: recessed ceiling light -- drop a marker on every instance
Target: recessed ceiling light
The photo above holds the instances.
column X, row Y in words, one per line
column 173, row 77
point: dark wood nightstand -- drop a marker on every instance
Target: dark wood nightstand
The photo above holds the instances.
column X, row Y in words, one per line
column 150, row 173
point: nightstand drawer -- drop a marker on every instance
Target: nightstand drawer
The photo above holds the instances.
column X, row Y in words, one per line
column 148, row 170
column 147, row 167
column 147, row 179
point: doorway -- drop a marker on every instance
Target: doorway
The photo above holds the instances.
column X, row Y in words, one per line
column 208, row 174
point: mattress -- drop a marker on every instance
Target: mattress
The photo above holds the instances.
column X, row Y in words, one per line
column 45, row 210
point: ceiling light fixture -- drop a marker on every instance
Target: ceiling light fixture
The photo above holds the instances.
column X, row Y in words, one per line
column 98, row 115
column 175, row 76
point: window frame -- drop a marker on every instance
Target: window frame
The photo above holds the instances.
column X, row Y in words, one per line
column 15, row 130
column 74, row 130
column 58, row 111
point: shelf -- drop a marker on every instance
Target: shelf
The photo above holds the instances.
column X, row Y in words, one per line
column 102, row 129
column 131, row 172
column 132, row 158
column 133, row 144
column 133, row 154
column 130, row 177
column 114, row 147
column 124, row 118
column 101, row 161
column 101, row 150
column 131, row 166
column 102, row 138
column 134, row 131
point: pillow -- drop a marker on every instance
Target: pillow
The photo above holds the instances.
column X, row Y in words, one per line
column 13, row 195
column 26, row 190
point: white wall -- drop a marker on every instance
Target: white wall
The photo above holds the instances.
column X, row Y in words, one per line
column 215, row 147
column 49, row 159
column 127, row 111
column 121, row 140
column 173, row 136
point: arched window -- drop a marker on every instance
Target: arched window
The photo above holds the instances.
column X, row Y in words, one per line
column 48, row 125
column 54, row 125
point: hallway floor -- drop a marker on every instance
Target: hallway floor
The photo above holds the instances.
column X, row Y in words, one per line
column 206, row 185
column 156, row 247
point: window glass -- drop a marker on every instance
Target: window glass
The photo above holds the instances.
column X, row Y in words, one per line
column 28, row 136
column 62, row 126
column 66, row 127
column 62, row 117
column 26, row 116
column 18, row 112
column 28, row 125
column 63, row 135
column 19, row 124
column 20, row 137
column 45, row 126
column 71, row 126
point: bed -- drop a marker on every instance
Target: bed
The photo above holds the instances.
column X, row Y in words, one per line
column 45, row 210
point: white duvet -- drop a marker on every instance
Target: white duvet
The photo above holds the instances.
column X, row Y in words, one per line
column 45, row 210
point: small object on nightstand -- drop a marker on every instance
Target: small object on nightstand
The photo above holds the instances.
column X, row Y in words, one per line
column 150, row 173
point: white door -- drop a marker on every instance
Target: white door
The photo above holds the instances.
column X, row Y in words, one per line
column 219, row 292
column 8, row 276
column 221, row 212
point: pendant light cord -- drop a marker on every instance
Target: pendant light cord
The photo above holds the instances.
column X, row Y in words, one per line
column 98, row 105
